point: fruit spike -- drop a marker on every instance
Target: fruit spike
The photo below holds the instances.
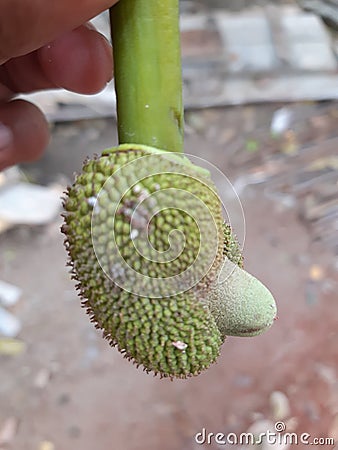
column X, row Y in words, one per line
column 158, row 271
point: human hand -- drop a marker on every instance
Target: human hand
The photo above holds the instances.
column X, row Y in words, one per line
column 45, row 45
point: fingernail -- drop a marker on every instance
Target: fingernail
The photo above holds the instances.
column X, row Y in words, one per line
column 6, row 137
column 90, row 26
column 110, row 77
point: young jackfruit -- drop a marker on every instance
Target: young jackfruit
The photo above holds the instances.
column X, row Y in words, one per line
column 147, row 245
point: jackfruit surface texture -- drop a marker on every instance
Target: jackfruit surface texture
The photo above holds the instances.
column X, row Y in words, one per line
column 145, row 238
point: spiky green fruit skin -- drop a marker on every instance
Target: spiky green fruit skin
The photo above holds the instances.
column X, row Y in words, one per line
column 173, row 335
column 148, row 332
column 231, row 249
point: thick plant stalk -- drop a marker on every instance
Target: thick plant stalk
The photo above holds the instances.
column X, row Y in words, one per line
column 148, row 79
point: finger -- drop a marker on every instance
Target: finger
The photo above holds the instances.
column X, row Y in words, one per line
column 41, row 22
column 22, row 74
column 23, row 133
column 80, row 61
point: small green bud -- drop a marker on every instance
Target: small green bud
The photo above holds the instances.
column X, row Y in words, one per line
column 240, row 304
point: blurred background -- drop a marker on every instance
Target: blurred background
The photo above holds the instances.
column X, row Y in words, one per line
column 261, row 91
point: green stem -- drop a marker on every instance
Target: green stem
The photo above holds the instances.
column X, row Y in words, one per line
column 148, row 79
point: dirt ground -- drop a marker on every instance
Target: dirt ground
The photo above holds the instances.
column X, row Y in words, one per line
column 70, row 390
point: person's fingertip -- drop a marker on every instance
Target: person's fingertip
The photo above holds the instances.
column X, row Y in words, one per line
column 79, row 61
column 24, row 133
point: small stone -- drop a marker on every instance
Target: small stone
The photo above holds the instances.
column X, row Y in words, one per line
column 9, row 294
column 281, row 120
column 8, row 430
column 46, row 445
column 316, row 273
column 10, row 326
column 42, row 379
column 280, row 406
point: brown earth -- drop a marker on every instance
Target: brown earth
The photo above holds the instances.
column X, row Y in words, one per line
column 70, row 390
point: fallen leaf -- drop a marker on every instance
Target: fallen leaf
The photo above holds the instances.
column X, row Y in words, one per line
column 280, row 405
column 290, row 145
column 11, row 347
column 327, row 162
column 251, row 146
column 46, row 445
column 42, row 378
